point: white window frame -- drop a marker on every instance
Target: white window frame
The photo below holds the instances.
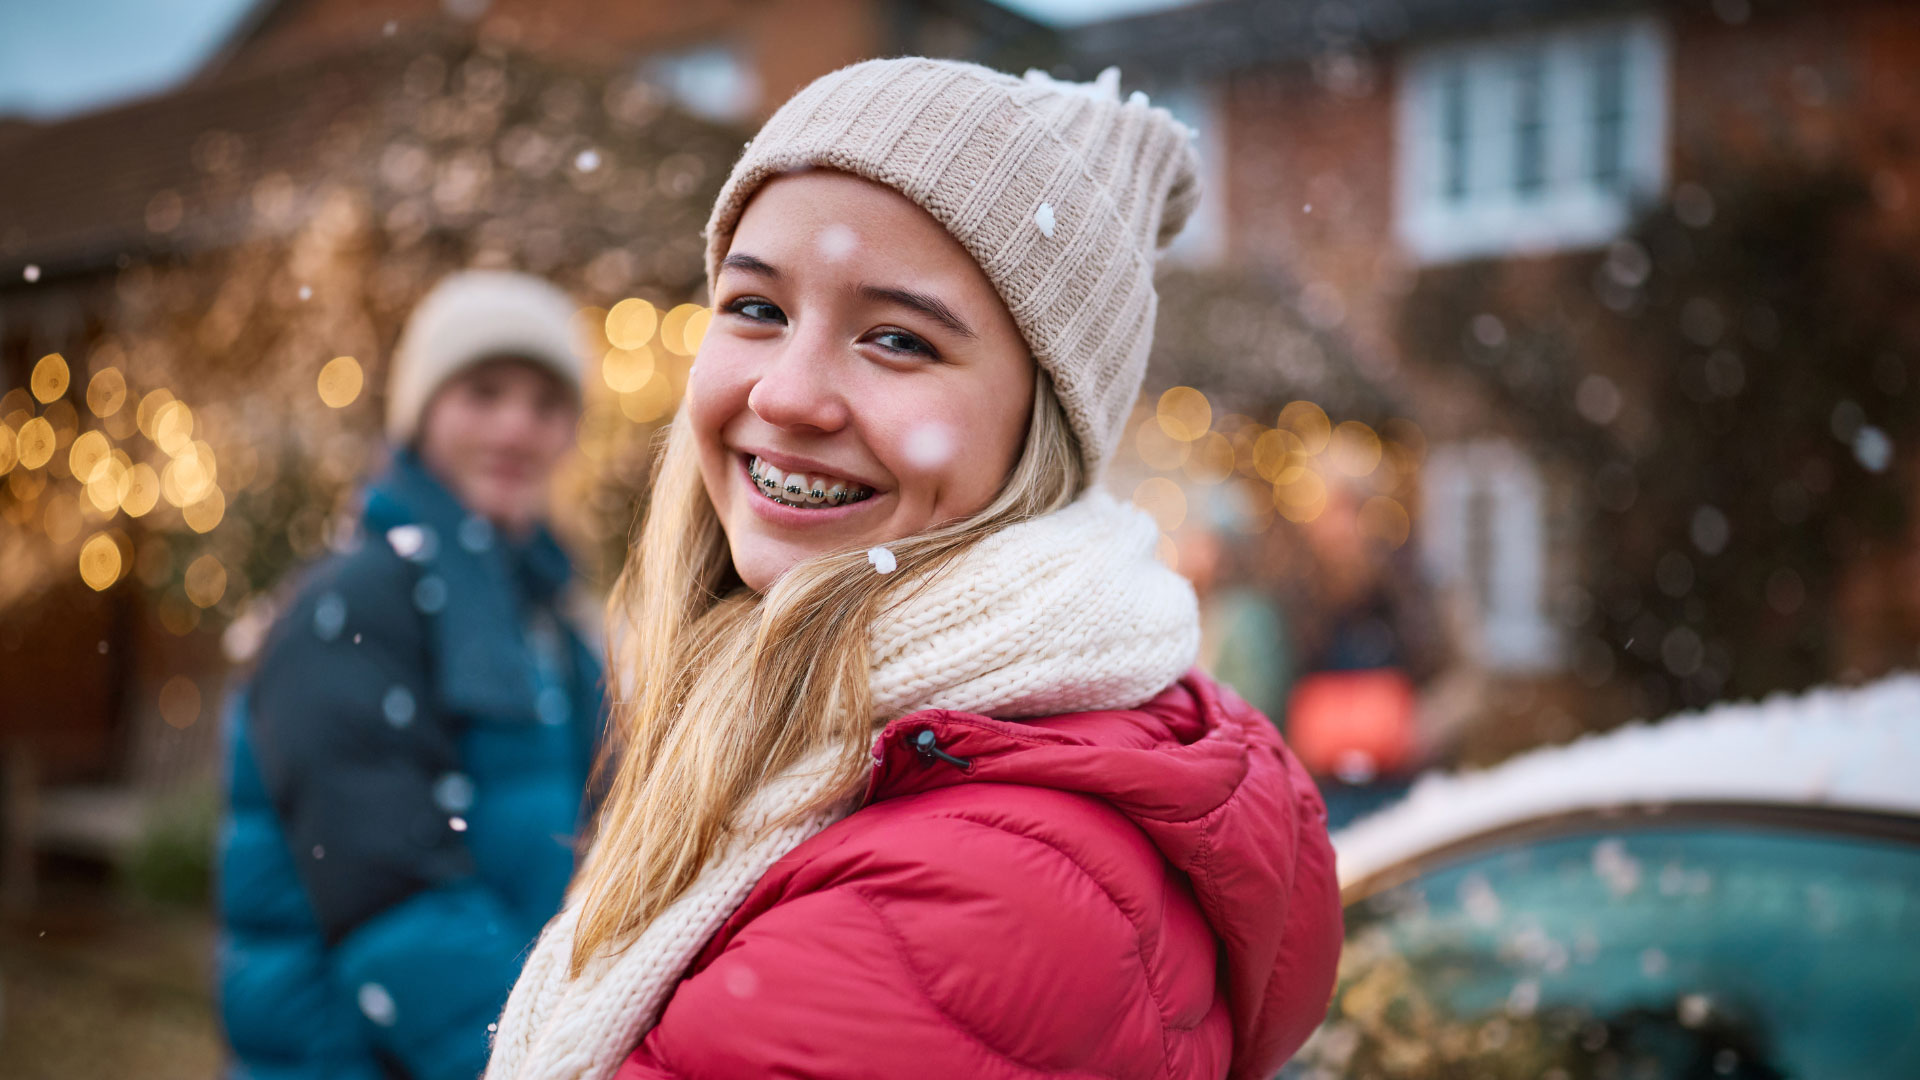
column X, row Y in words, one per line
column 1508, row 602
column 1570, row 208
column 1202, row 107
column 712, row 80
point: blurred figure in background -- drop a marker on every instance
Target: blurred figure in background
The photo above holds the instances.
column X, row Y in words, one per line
column 1243, row 629
column 409, row 759
column 1367, row 643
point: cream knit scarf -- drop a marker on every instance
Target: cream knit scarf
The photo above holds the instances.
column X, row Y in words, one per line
column 1066, row 612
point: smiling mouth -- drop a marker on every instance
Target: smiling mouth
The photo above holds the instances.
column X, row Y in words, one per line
column 807, row 492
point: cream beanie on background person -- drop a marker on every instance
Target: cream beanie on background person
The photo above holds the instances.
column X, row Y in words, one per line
column 1062, row 192
column 476, row 315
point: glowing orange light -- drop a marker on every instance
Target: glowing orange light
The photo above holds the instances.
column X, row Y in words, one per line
column 173, row 427
column 1163, row 499
column 106, row 392
column 206, row 581
column 340, row 381
column 627, row 370
column 1184, row 413
column 36, row 442
column 631, row 323
column 99, row 562
column 180, row 702
column 50, row 377
column 1212, row 459
column 673, row 329
column 1309, row 421
column 203, row 515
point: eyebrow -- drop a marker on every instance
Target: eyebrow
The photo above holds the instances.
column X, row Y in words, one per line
column 749, row 264
column 931, row 306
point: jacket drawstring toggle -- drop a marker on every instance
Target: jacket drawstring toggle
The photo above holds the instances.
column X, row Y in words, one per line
column 929, row 749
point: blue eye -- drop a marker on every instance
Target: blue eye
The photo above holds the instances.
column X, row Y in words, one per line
column 757, row 309
column 903, row 342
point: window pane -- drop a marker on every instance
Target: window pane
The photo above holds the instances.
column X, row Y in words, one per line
column 1529, row 126
column 1609, row 90
column 1679, row 951
column 1453, row 133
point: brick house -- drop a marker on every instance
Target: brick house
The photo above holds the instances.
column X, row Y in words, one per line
column 1398, row 160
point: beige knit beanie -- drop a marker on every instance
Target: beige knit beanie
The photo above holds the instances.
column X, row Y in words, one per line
column 475, row 315
column 1062, row 192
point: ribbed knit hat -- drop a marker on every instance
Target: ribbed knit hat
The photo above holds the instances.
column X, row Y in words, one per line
column 1062, row 192
column 476, row 315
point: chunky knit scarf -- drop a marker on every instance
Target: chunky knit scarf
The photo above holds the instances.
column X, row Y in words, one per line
column 1066, row 612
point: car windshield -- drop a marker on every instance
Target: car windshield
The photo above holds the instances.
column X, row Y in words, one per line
column 1646, row 952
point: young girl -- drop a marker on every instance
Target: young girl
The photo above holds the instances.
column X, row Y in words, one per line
column 913, row 776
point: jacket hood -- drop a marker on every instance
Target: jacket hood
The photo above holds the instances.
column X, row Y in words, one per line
column 1207, row 779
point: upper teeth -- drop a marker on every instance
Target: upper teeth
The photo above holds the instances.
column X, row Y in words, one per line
column 800, row 489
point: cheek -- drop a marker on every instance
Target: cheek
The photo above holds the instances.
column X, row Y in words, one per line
column 556, row 435
column 453, row 426
column 716, row 394
column 944, row 456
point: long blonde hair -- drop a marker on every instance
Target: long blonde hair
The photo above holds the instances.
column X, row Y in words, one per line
column 721, row 688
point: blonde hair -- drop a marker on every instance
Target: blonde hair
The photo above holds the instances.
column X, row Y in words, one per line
column 724, row 688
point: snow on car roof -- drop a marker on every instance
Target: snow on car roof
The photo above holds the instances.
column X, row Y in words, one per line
column 1855, row 748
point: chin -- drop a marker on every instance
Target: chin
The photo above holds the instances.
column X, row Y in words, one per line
column 510, row 510
column 760, row 562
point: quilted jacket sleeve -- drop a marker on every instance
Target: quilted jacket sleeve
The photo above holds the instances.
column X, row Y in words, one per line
column 956, row 948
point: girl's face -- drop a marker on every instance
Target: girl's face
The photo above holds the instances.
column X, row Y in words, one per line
column 861, row 381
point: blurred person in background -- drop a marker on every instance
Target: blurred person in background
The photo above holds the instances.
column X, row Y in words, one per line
column 408, row 760
column 918, row 777
column 1244, row 640
column 1368, row 645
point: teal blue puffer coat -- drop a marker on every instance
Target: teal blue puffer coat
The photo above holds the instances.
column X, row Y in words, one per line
column 408, row 769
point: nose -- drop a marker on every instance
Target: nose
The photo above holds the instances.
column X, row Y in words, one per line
column 797, row 387
column 516, row 422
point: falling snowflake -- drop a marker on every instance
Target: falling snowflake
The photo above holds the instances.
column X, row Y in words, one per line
column 457, row 824
column 742, row 981
column 412, row 542
column 1523, row 999
column 1653, row 962
column 882, row 559
column 31, row 273
column 587, row 160
column 377, row 1004
column 476, row 534
column 453, row 793
column 397, row 706
column 306, row 292
column 329, row 616
column 836, row 242
column 1043, row 217
column 1872, row 449
column 430, row 595
column 1355, row 767
column 1104, row 87
column 930, row 446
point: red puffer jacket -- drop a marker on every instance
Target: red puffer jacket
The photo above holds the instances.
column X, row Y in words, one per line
column 1138, row 893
